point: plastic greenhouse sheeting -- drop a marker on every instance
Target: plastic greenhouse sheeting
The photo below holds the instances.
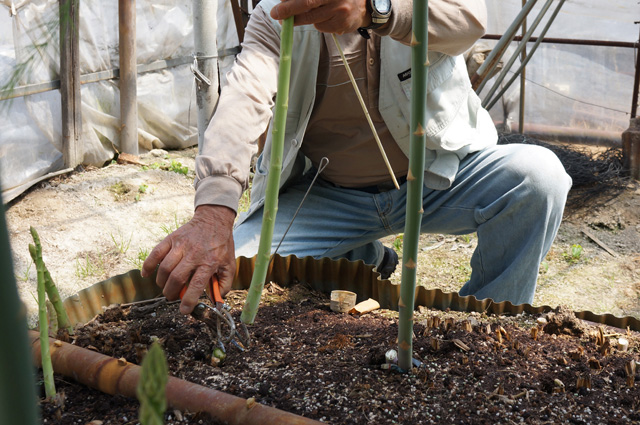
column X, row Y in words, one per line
column 30, row 143
column 584, row 89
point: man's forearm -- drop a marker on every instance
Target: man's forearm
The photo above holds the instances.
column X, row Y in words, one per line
column 242, row 115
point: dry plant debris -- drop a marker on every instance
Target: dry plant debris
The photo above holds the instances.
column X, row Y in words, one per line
column 311, row 361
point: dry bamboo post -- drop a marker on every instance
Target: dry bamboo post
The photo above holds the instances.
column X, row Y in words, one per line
column 117, row 376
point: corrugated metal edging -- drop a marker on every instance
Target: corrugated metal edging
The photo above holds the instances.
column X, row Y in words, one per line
column 121, row 289
column 324, row 275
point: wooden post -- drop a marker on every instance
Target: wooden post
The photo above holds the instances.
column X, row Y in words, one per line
column 72, row 149
column 128, row 77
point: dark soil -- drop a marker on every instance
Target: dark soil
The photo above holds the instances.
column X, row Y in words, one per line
column 308, row 360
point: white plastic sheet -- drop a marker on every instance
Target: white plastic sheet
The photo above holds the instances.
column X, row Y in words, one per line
column 581, row 89
column 570, row 87
column 30, row 143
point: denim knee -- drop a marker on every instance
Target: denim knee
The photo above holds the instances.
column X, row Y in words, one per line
column 543, row 173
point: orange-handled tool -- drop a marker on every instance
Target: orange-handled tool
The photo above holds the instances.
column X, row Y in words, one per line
column 213, row 288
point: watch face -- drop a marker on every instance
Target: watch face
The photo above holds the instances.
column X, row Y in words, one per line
column 382, row 6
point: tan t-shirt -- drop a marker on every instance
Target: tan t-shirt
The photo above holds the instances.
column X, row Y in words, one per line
column 338, row 128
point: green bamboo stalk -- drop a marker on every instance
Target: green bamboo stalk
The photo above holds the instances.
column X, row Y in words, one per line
column 47, row 368
column 415, row 179
column 273, row 179
column 50, row 286
column 151, row 389
column 18, row 401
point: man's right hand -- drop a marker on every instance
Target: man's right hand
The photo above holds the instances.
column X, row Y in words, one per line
column 192, row 254
column 330, row 16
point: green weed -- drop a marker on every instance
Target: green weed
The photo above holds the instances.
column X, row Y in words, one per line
column 574, row 255
column 397, row 242
column 544, row 267
column 177, row 167
column 138, row 260
column 153, row 166
column 172, row 227
column 90, row 267
column 121, row 243
column 119, row 190
column 24, row 277
column 141, row 189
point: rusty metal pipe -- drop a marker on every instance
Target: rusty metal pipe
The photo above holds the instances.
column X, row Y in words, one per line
column 128, row 77
column 114, row 376
column 572, row 41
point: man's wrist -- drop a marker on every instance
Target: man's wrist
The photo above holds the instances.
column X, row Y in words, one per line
column 378, row 14
column 215, row 213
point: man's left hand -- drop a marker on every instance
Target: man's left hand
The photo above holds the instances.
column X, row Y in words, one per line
column 330, row 16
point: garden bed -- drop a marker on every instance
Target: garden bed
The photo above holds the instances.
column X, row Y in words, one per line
column 308, row 360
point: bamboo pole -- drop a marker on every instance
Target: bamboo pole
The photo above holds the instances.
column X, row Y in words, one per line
column 415, row 179
column 273, row 180
column 128, row 77
column 117, row 376
column 71, row 104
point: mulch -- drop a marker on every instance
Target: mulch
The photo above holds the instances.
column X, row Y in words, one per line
column 311, row 361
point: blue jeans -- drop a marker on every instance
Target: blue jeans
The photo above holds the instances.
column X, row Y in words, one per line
column 512, row 195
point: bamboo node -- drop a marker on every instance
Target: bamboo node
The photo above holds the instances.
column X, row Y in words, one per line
column 414, row 40
column 251, row 402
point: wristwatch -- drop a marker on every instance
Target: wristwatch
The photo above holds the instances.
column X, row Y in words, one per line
column 380, row 11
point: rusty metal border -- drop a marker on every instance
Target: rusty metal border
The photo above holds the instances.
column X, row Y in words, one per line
column 324, row 275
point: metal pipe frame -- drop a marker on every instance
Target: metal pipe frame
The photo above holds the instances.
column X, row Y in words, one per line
column 205, row 66
column 489, row 105
column 572, row 41
column 109, row 74
column 494, row 57
column 519, row 50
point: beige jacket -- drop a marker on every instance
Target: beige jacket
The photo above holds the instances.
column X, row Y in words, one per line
column 457, row 124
